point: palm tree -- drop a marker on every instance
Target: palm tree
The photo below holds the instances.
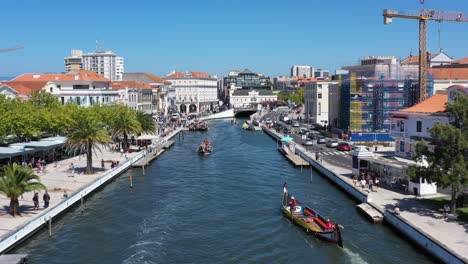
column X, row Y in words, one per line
column 147, row 123
column 16, row 180
column 87, row 135
column 124, row 123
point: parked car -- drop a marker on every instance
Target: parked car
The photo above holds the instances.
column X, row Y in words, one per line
column 321, row 140
column 296, row 124
column 343, row 146
column 311, row 136
column 302, row 131
column 307, row 142
column 286, row 131
column 268, row 121
column 332, row 143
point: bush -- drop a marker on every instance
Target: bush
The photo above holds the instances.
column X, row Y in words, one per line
column 462, row 214
column 462, row 200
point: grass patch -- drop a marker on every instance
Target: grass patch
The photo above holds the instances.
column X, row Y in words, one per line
column 438, row 203
column 435, row 203
column 463, row 214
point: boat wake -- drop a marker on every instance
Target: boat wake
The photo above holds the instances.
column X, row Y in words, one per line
column 354, row 257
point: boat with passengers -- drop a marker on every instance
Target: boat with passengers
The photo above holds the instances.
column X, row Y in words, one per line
column 205, row 147
column 311, row 221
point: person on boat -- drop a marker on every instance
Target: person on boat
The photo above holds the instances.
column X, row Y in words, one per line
column 292, row 204
column 329, row 224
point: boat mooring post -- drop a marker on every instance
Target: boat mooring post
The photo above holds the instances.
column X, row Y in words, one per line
column 131, row 181
column 143, row 167
column 50, row 226
column 82, row 200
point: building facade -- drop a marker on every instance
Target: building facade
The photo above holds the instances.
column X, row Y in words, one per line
column 85, row 88
column 316, row 102
column 412, row 124
column 302, row 71
column 104, row 63
column 137, row 96
column 253, row 99
column 245, row 79
column 74, row 62
column 366, row 104
column 159, row 85
column 194, row 92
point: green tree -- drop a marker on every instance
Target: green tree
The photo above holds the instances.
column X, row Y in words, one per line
column 448, row 161
column 124, row 122
column 87, row 135
column 147, row 123
column 16, row 180
column 44, row 99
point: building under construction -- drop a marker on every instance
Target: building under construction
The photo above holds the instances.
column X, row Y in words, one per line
column 366, row 104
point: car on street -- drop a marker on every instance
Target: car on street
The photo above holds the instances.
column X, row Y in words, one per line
column 289, row 122
column 286, row 131
column 343, row 146
column 296, row 124
column 303, row 131
column 268, row 121
column 332, row 143
column 308, row 142
column 321, row 140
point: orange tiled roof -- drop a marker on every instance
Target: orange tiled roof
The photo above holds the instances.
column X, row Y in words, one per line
column 461, row 61
column 434, row 104
column 129, row 84
column 193, row 74
column 81, row 75
column 414, row 59
column 449, row 73
column 25, row 87
column 156, row 78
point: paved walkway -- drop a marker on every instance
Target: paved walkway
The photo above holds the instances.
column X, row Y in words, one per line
column 58, row 178
column 452, row 234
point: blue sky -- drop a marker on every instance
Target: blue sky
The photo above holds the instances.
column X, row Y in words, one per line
column 216, row 36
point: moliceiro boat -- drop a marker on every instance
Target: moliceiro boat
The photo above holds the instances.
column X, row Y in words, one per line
column 310, row 220
column 205, row 148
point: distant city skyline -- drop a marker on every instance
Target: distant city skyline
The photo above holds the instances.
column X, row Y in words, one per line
column 267, row 37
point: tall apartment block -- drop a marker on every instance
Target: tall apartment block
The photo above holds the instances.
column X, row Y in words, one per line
column 302, row 71
column 104, row 63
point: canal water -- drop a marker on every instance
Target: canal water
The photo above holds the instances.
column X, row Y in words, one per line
column 221, row 208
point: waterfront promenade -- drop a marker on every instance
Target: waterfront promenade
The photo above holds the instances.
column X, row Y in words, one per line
column 60, row 180
column 57, row 178
column 451, row 234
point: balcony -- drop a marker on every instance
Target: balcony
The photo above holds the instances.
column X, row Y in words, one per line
column 398, row 134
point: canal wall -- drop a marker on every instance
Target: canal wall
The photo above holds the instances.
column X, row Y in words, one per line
column 420, row 238
column 28, row 229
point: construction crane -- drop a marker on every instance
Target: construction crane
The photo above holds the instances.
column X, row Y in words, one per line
column 11, row 49
column 423, row 16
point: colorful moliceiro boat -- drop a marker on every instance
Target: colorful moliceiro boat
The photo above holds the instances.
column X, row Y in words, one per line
column 205, row 148
column 311, row 221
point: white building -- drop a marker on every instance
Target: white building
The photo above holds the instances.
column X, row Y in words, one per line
column 412, row 124
column 85, row 88
column 316, row 102
column 245, row 98
column 302, row 71
column 160, row 86
column 446, row 77
column 104, row 63
column 195, row 92
column 137, row 96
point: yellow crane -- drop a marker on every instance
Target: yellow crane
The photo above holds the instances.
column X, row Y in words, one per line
column 423, row 16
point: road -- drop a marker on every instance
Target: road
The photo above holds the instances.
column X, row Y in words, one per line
column 331, row 155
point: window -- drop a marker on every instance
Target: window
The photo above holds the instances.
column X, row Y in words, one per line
column 51, row 89
column 402, row 146
column 319, row 95
column 418, row 126
column 319, row 108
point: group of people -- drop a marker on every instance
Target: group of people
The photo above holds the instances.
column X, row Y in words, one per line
column 367, row 180
column 45, row 198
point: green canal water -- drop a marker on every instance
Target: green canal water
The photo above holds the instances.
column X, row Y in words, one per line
column 222, row 208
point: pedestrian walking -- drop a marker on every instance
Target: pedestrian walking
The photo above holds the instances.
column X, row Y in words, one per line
column 46, row 198
column 102, row 164
column 363, row 183
column 121, row 152
column 36, row 201
column 73, row 168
